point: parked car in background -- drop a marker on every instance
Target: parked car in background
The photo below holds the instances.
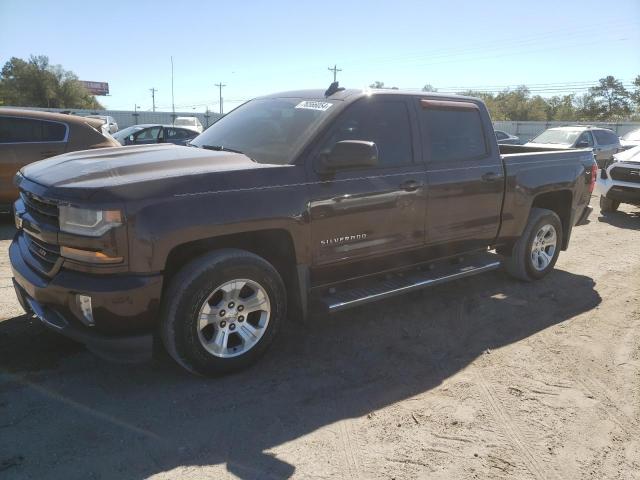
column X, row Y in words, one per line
column 630, row 139
column 109, row 122
column 505, row 138
column 189, row 122
column 620, row 182
column 30, row 135
column 150, row 133
column 604, row 142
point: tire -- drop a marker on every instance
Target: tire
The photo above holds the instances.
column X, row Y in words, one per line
column 527, row 265
column 195, row 297
column 607, row 205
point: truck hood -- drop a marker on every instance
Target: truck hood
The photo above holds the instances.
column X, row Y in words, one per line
column 117, row 166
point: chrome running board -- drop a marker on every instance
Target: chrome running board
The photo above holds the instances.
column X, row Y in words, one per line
column 341, row 298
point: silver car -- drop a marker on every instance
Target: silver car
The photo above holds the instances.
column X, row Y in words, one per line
column 110, row 124
column 505, row 138
column 603, row 141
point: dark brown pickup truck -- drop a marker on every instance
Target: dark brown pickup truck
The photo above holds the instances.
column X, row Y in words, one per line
column 293, row 202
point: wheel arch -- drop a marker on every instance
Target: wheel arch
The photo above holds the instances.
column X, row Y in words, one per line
column 560, row 202
column 274, row 245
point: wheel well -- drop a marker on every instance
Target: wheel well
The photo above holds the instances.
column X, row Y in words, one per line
column 560, row 203
column 275, row 246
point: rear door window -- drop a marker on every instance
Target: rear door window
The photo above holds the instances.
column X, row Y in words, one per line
column 605, row 138
column 452, row 131
column 28, row 130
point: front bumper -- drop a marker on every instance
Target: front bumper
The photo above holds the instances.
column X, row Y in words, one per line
column 626, row 192
column 125, row 307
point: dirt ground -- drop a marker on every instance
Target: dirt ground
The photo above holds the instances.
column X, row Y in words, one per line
column 482, row 378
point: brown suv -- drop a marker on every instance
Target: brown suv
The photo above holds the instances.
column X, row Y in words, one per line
column 29, row 135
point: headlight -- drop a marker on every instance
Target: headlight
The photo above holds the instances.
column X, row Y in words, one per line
column 84, row 221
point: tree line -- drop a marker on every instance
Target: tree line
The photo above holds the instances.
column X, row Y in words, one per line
column 607, row 101
column 37, row 83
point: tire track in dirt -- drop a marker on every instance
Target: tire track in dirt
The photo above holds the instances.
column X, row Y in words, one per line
column 350, row 455
column 511, row 430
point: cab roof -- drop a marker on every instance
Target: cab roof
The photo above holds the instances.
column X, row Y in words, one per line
column 352, row 94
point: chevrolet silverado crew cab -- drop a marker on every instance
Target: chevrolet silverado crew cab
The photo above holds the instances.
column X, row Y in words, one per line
column 300, row 201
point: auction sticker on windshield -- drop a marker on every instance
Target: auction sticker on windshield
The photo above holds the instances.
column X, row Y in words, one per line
column 314, row 105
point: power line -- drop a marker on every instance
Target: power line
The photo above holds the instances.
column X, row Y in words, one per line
column 153, row 97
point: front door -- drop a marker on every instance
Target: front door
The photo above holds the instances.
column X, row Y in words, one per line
column 369, row 211
column 465, row 176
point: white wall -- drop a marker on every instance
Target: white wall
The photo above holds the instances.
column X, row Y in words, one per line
column 528, row 130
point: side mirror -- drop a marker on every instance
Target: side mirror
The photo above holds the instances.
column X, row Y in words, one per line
column 350, row 154
column 131, row 138
column 582, row 144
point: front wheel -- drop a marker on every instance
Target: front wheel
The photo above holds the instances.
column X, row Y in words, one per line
column 607, row 205
column 222, row 311
column 536, row 251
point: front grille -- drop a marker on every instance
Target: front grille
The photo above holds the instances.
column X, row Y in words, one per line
column 45, row 256
column 626, row 174
column 39, row 208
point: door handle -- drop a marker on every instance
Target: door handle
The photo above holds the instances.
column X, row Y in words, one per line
column 490, row 177
column 410, row 186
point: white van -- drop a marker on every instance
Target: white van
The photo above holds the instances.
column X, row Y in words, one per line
column 189, row 122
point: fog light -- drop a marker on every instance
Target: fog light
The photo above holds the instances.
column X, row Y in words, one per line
column 84, row 302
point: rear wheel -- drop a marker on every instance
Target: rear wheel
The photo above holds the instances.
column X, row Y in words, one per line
column 222, row 311
column 608, row 205
column 536, row 251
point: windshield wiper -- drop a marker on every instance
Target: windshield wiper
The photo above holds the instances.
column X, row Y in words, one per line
column 221, row 148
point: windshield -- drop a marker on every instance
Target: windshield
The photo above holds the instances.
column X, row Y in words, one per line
column 267, row 130
column 632, row 135
column 124, row 133
column 561, row 137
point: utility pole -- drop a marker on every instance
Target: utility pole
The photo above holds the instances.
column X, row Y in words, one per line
column 153, row 97
column 335, row 71
column 220, row 85
column 173, row 105
column 135, row 112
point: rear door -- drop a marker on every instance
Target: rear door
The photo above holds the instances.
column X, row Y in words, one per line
column 607, row 144
column 464, row 173
column 179, row 136
column 26, row 140
column 369, row 211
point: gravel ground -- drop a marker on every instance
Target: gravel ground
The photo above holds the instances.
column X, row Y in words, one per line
column 482, row 378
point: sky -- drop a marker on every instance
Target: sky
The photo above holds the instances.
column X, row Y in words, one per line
column 260, row 47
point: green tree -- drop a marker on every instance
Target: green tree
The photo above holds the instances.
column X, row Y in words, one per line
column 609, row 100
column 36, row 83
column 635, row 95
column 561, row 108
column 377, row 84
column 429, row 88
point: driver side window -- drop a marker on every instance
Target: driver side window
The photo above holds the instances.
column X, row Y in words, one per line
column 586, row 137
column 148, row 134
column 384, row 122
